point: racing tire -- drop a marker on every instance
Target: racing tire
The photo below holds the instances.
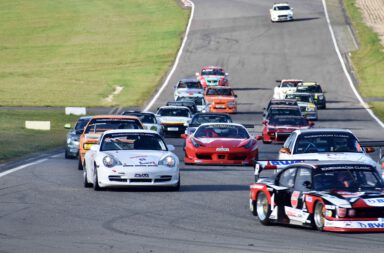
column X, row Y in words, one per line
column 318, row 216
column 263, row 209
column 252, row 207
column 80, row 165
column 96, row 185
column 176, row 188
column 85, row 180
column 66, row 155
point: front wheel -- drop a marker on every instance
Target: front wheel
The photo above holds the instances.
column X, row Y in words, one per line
column 318, row 216
column 252, row 207
column 85, row 179
column 263, row 208
column 96, row 185
column 80, row 164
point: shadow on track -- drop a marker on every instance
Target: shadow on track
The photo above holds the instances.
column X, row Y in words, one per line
column 304, row 19
column 250, row 88
column 213, row 188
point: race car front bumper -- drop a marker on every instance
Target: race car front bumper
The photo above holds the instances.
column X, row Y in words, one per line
column 366, row 225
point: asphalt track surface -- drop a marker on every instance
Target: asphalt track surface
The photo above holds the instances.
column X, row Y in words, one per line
column 44, row 207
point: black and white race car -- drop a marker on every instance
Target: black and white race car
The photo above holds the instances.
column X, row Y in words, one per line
column 339, row 196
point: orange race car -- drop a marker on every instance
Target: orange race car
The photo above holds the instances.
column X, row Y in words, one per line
column 100, row 123
column 221, row 99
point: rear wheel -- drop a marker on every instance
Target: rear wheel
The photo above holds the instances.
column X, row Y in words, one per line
column 263, row 208
column 318, row 216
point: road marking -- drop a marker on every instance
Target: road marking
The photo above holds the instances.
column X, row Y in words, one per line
column 176, row 61
column 343, row 65
column 22, row 167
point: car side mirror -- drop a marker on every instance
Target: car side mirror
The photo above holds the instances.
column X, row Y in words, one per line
column 285, row 151
column 369, row 149
column 307, row 184
column 259, row 137
column 170, row 147
column 184, row 136
column 67, row 126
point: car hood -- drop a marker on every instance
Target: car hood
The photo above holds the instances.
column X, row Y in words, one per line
column 216, row 99
column 283, row 12
column 372, row 198
column 221, row 142
column 213, row 77
column 342, row 156
column 169, row 120
column 138, row 157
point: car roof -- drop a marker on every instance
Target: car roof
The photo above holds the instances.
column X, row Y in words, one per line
column 224, row 123
column 323, row 130
column 110, row 116
column 212, row 67
column 283, row 106
column 129, row 131
column 190, row 80
column 174, row 107
column 211, row 114
column 309, row 83
column 281, row 4
column 326, row 163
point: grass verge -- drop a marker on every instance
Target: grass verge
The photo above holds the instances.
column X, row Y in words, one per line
column 17, row 141
column 368, row 60
column 75, row 52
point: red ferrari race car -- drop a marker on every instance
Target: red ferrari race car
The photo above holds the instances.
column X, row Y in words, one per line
column 338, row 196
column 212, row 76
column 278, row 128
column 221, row 143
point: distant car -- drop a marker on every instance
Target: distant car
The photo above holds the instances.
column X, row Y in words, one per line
column 148, row 119
column 190, row 104
column 126, row 158
column 201, row 104
column 306, row 104
column 221, row 99
column 174, row 119
column 316, row 91
column 337, row 196
column 188, row 88
column 99, row 124
column 221, row 143
column 73, row 137
column 281, row 12
column 212, row 76
column 325, row 144
column 285, row 87
column 282, row 110
column 277, row 129
column 201, row 118
column 279, row 102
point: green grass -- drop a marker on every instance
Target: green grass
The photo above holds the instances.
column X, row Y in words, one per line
column 368, row 60
column 74, row 52
column 16, row 141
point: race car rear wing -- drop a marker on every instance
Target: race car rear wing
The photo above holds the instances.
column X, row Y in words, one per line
column 272, row 167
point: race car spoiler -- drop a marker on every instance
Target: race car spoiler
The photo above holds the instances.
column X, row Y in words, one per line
column 274, row 166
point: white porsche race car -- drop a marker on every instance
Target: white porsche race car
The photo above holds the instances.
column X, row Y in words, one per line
column 126, row 158
column 281, row 12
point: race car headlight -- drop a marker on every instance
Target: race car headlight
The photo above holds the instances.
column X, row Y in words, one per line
column 231, row 103
column 87, row 146
column 168, row 161
column 153, row 128
column 341, row 212
column 110, row 161
column 320, row 97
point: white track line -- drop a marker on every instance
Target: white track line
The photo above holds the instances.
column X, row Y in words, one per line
column 343, row 65
column 22, row 167
column 176, row 61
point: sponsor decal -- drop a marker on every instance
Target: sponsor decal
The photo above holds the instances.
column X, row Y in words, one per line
column 294, row 198
column 308, row 199
column 222, row 149
column 375, row 202
column 138, row 156
column 257, row 186
column 286, row 162
column 350, row 194
column 371, row 225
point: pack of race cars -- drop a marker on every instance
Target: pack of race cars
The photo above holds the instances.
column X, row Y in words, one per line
column 129, row 150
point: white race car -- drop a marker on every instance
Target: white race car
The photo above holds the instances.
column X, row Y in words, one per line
column 126, row 158
column 174, row 118
column 285, row 87
column 188, row 88
column 325, row 144
column 281, row 12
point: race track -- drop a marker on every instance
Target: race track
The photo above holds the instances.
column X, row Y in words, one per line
column 44, row 207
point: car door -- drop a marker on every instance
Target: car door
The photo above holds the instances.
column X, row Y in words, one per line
column 296, row 209
column 286, row 181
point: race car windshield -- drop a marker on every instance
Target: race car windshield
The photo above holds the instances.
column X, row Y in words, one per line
column 300, row 98
column 290, row 121
column 143, row 117
column 350, row 179
column 283, row 8
column 173, row 112
column 196, row 100
column 219, row 92
column 221, row 131
column 212, row 72
column 101, row 125
column 200, row 119
column 327, row 142
column 132, row 141
column 311, row 89
column 190, row 85
column 81, row 123
column 289, row 84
